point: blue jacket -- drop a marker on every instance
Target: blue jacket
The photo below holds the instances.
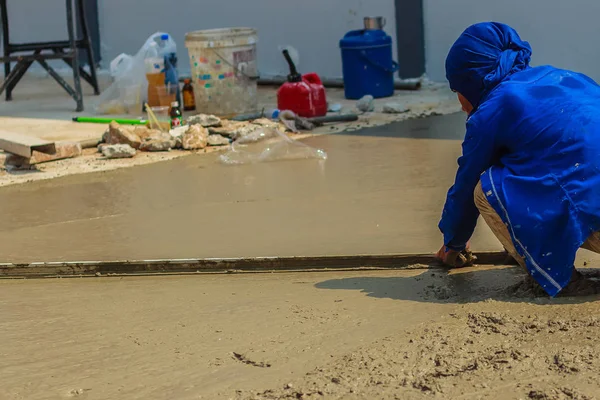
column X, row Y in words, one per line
column 534, row 142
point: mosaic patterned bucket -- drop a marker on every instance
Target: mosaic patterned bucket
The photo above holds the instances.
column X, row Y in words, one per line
column 224, row 70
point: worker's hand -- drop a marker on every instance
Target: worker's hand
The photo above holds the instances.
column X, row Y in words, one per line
column 456, row 259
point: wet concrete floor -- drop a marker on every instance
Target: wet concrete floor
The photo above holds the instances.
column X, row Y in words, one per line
column 380, row 191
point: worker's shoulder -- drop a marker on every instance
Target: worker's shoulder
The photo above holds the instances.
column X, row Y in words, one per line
column 541, row 87
column 545, row 82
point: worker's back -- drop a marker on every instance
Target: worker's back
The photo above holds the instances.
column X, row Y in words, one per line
column 554, row 131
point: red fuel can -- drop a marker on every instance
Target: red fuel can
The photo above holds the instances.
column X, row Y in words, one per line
column 302, row 94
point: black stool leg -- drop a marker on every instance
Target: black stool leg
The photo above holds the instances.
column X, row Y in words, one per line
column 88, row 46
column 24, row 66
column 74, row 52
column 6, row 45
column 14, row 75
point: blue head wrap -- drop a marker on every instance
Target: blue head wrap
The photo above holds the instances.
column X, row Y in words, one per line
column 482, row 57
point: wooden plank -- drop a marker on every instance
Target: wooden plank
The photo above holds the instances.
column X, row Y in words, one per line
column 23, row 145
column 259, row 264
column 63, row 150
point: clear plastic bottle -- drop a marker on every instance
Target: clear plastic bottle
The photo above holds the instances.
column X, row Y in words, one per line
column 161, row 71
column 168, row 50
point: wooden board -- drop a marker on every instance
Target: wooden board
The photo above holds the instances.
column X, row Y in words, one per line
column 23, row 145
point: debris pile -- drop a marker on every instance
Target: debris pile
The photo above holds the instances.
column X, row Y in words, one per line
column 199, row 132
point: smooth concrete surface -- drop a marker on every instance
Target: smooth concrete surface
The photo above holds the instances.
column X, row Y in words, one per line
column 381, row 191
column 562, row 33
column 313, row 27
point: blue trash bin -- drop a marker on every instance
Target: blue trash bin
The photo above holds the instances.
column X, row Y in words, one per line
column 367, row 64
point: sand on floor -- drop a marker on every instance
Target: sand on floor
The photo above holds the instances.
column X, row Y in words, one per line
column 331, row 335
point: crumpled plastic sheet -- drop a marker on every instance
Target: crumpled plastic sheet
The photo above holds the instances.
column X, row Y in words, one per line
column 274, row 146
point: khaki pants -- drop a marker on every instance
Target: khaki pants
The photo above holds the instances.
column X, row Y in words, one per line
column 501, row 231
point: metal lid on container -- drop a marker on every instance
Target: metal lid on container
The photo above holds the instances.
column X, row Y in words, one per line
column 222, row 37
column 365, row 38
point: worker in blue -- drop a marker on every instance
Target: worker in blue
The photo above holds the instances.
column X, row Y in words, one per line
column 530, row 161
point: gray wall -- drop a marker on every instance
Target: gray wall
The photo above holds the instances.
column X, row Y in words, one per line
column 563, row 33
column 314, row 27
column 37, row 21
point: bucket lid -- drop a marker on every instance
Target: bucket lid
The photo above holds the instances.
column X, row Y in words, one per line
column 245, row 35
column 365, row 38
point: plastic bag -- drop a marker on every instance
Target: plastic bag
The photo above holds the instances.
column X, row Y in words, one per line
column 119, row 65
column 129, row 90
column 279, row 147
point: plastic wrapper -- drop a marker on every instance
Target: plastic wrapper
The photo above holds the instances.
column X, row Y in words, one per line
column 127, row 93
column 274, row 146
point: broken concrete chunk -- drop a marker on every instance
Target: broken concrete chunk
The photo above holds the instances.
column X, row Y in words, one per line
column 118, row 151
column 158, row 141
column 366, row 103
column 245, row 130
column 227, row 128
column 394, row 108
column 117, row 134
column 205, row 120
column 159, row 136
column 217, row 140
column 158, row 145
column 178, row 131
column 196, row 137
column 144, row 132
column 336, row 107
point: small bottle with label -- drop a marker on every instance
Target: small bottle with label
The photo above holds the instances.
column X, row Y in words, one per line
column 189, row 101
column 175, row 114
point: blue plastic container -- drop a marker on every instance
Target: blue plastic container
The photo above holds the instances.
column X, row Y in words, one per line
column 367, row 64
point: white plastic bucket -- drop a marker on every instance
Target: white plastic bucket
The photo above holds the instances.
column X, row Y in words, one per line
column 224, row 70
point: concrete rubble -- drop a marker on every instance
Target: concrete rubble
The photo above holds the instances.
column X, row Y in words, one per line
column 195, row 138
column 111, row 151
column 394, row 108
column 202, row 130
column 117, row 134
column 205, row 120
column 158, row 141
column 227, row 128
column 217, row 140
column 366, row 104
column 336, row 107
column 432, row 99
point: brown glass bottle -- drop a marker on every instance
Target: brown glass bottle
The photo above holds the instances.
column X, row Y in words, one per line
column 189, row 101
